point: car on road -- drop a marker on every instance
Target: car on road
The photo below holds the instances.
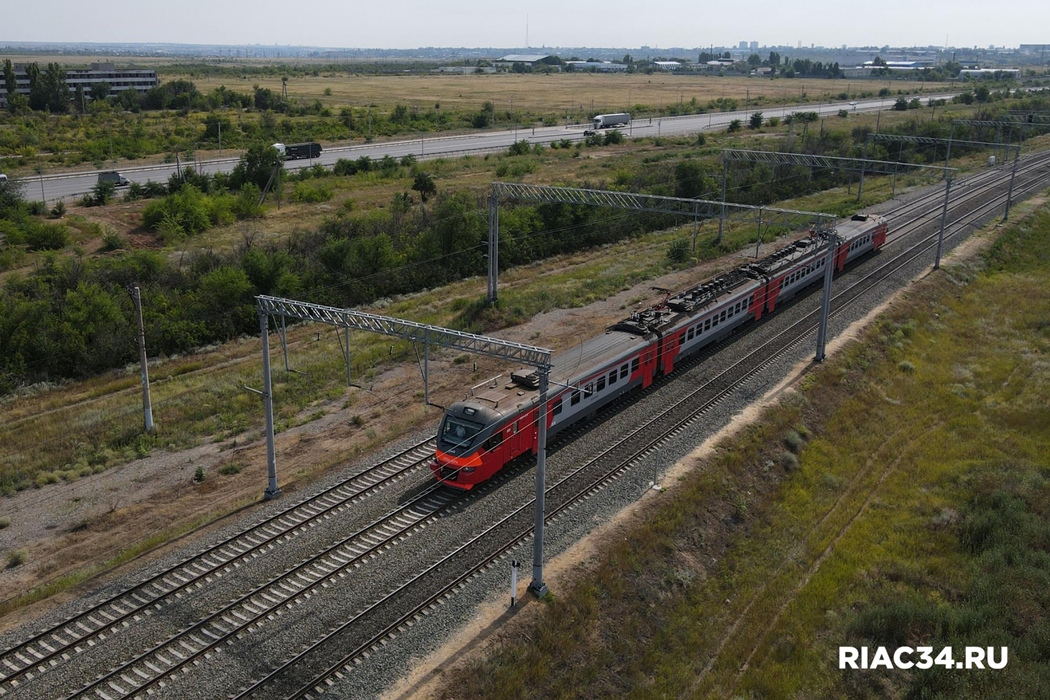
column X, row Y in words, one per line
column 589, row 132
column 114, row 178
column 3, row 179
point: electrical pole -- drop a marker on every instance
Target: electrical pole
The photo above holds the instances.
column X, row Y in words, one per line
column 40, row 173
column 1010, row 191
column 825, row 305
column 272, row 490
column 147, row 405
column 537, row 586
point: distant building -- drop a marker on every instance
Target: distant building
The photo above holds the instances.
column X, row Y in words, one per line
column 667, row 65
column 529, row 59
column 754, row 46
column 1040, row 50
column 989, row 73
column 118, row 79
column 742, row 46
column 596, row 66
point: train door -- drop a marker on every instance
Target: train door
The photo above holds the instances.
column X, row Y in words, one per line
column 878, row 239
column 841, row 253
column 772, row 293
column 648, row 364
column 758, row 301
column 670, row 347
column 528, row 435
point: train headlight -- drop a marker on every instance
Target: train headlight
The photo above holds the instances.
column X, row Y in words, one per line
column 467, row 470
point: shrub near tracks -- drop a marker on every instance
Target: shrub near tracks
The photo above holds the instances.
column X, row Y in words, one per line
column 916, row 516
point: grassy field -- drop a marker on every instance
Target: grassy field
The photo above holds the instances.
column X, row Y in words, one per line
column 900, row 497
column 555, row 94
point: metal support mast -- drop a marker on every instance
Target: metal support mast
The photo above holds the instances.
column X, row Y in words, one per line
column 272, row 491
column 147, row 404
column 825, row 304
column 538, row 586
column 944, row 217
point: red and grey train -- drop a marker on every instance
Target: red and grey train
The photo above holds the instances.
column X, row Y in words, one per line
column 497, row 423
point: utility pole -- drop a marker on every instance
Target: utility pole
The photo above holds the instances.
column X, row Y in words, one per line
column 40, row 174
column 147, row 404
column 272, row 490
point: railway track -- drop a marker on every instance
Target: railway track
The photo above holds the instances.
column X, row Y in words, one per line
column 309, row 673
column 148, row 672
column 50, row 647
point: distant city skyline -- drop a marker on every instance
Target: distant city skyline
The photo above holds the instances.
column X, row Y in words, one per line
column 457, row 23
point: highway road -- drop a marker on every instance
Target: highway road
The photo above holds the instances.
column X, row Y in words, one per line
column 63, row 186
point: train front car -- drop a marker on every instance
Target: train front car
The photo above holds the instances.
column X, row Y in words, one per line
column 460, row 458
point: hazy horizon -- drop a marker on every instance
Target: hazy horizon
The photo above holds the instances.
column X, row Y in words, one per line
column 457, row 24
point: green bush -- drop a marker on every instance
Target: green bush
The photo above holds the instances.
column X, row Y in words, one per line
column 12, row 233
column 41, row 236
column 519, row 148
column 678, row 251
column 102, row 194
column 187, row 211
column 344, row 167
column 735, row 125
column 614, row 137
column 311, row 193
column 246, row 205
column 17, row 558
column 112, row 241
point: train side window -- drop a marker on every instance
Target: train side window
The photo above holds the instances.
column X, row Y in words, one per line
column 612, row 377
column 588, row 390
column 601, row 383
column 517, row 425
column 557, row 408
column 689, row 335
column 495, row 441
column 634, row 365
column 681, row 340
column 623, row 372
column 722, row 316
column 707, row 325
column 575, row 397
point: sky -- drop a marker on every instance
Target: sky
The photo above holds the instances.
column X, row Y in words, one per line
column 598, row 23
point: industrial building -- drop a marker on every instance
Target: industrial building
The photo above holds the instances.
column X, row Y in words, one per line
column 118, row 79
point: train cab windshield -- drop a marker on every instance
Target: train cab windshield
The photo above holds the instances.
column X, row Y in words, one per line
column 458, row 432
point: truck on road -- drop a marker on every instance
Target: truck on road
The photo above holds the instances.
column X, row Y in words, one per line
column 605, row 121
column 113, row 178
column 297, row 151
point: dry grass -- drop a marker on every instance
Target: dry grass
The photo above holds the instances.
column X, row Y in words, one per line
column 549, row 94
